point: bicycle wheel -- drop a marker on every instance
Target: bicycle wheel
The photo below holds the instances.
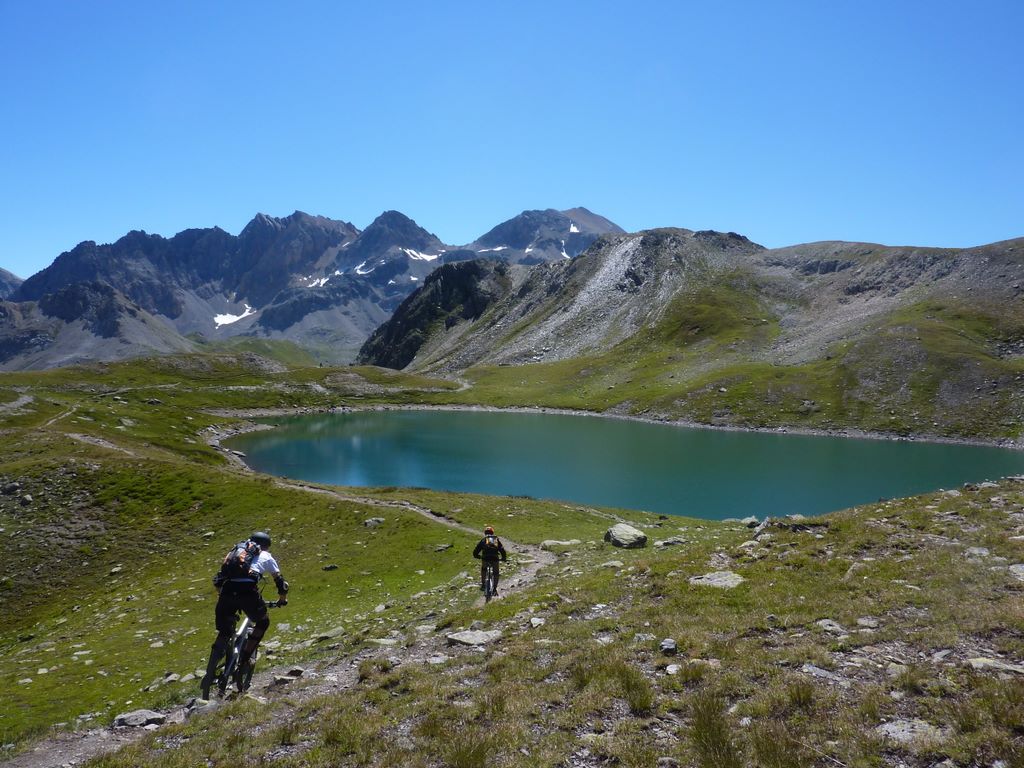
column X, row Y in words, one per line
column 489, row 588
column 245, row 674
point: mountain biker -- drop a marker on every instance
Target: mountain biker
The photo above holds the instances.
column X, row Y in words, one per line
column 489, row 550
column 241, row 593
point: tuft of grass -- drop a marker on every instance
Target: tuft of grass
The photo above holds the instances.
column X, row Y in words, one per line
column 774, row 746
column 710, row 733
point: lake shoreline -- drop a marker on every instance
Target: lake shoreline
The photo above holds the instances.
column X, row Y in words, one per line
column 854, row 434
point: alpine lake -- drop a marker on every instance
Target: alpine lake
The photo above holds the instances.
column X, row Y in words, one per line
column 609, row 462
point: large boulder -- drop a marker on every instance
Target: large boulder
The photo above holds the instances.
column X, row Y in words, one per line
column 626, row 536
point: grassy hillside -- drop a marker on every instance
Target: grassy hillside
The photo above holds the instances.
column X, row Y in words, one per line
column 109, row 605
column 931, row 369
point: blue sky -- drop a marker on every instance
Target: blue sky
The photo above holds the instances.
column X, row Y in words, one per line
column 789, row 122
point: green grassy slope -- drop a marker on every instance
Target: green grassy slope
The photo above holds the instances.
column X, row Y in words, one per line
column 929, row 369
column 107, row 585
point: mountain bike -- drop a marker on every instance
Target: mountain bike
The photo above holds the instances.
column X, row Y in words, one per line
column 490, row 579
column 229, row 670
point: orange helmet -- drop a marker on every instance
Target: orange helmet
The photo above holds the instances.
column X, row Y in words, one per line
column 489, row 530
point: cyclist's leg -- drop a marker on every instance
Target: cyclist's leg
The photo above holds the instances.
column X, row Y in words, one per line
column 497, row 575
column 225, row 619
column 483, row 575
column 255, row 608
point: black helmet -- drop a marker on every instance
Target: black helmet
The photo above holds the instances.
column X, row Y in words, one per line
column 261, row 538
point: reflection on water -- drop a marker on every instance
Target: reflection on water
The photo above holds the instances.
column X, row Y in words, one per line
column 611, row 462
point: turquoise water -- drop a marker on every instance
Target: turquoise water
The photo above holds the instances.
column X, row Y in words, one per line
column 611, row 462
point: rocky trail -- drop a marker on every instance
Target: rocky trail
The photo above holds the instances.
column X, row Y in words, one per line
column 66, row 750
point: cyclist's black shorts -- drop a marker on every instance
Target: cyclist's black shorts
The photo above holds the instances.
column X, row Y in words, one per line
column 239, row 597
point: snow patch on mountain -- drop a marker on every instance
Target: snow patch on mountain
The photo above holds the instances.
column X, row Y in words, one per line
column 421, row 256
column 227, row 319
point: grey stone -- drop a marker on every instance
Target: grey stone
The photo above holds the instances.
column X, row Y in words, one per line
column 473, row 637
column 670, row 542
column 668, row 647
column 626, row 536
column 910, row 731
column 977, row 552
column 139, row 718
column 983, row 665
column 329, row 567
column 442, row 547
column 549, row 544
column 824, row 674
column 536, row 622
column 868, row 621
column 613, row 564
column 1017, row 571
column 373, row 522
column 750, row 522
column 720, row 579
column 830, row 626
column 26, row 499
column 330, row 634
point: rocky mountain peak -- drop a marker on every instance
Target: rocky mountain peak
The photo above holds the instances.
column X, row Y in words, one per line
column 9, row 283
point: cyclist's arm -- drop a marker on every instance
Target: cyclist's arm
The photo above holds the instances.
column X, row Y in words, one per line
column 479, row 547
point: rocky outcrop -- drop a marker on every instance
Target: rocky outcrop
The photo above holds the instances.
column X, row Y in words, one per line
column 9, row 283
column 453, row 294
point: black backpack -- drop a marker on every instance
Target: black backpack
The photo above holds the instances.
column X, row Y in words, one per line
column 238, row 561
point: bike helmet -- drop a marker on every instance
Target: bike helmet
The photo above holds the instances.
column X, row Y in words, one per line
column 261, row 538
column 489, row 530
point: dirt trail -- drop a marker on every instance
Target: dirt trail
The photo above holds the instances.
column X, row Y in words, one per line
column 73, row 749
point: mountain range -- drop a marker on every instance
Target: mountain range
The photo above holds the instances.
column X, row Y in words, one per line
column 319, row 282
column 711, row 327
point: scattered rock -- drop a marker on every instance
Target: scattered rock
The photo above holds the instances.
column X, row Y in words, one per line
column 383, row 642
column 668, row 762
column 11, row 488
column 720, row 579
column 116, row 570
column 670, row 542
column 613, row 564
column 824, row 674
column 330, row 567
column 26, row 499
column 442, row 547
column 626, row 536
column 750, row 522
column 977, row 552
column 909, row 731
column 549, row 544
column 537, row 622
column 1017, row 571
column 867, row 621
column 668, row 647
column 139, row 718
column 373, row 522
column 853, row 569
column 983, row 664
column 209, row 535
column 330, row 634
column 895, row 670
column 473, row 637
column 672, row 669
column 830, row 626
column 437, row 659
